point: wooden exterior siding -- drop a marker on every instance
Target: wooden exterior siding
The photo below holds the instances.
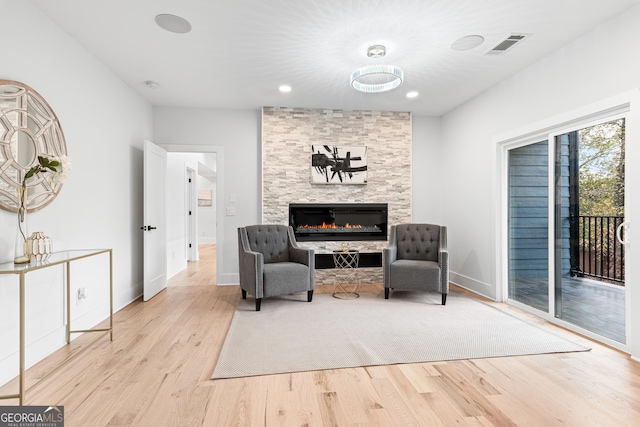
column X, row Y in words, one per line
column 529, row 212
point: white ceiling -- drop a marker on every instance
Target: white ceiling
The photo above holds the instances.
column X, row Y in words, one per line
column 240, row 51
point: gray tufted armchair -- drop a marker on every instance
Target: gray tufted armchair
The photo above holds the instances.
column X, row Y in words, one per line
column 272, row 263
column 417, row 259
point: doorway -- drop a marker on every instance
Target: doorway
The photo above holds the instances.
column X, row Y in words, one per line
column 564, row 191
column 194, row 194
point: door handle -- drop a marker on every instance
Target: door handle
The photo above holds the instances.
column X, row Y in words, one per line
column 619, row 233
column 147, row 228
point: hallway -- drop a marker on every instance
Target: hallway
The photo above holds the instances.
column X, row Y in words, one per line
column 198, row 273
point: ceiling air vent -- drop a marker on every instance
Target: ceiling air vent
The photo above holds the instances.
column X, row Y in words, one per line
column 507, row 44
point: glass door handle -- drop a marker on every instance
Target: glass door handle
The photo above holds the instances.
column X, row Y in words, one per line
column 624, row 225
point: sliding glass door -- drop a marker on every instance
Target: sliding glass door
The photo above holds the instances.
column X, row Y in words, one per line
column 589, row 207
column 565, row 204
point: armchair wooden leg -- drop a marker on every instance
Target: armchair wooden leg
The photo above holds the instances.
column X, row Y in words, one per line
column 309, row 296
column 386, row 293
column 258, row 301
column 244, row 294
column 444, row 299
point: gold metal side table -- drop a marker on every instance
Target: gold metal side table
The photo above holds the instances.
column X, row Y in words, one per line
column 56, row 258
column 346, row 263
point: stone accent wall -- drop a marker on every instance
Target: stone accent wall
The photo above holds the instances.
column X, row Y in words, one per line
column 287, row 137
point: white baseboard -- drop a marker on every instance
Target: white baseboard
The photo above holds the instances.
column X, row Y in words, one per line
column 129, row 295
column 473, row 285
column 229, row 279
column 176, row 267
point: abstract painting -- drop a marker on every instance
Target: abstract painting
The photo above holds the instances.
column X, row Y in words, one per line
column 332, row 164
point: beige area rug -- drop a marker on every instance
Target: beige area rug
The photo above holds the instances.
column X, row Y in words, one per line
column 292, row 335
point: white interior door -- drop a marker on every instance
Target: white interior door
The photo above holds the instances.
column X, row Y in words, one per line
column 192, row 214
column 154, row 227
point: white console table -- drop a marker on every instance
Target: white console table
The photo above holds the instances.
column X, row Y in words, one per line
column 57, row 258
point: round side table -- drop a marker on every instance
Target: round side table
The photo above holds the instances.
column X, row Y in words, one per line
column 346, row 263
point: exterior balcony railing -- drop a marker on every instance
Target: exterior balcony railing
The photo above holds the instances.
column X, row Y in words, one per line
column 601, row 255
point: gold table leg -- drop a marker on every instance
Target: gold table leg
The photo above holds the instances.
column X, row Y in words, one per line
column 22, row 340
column 68, row 302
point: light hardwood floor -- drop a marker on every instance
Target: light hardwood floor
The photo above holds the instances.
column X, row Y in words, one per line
column 202, row 272
column 156, row 373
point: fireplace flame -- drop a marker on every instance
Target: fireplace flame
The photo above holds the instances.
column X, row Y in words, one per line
column 327, row 226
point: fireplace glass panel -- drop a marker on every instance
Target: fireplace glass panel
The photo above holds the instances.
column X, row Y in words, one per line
column 339, row 222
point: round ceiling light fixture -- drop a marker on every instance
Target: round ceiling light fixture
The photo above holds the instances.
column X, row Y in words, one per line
column 173, row 23
column 376, row 78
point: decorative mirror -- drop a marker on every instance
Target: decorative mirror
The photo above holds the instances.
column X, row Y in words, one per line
column 28, row 128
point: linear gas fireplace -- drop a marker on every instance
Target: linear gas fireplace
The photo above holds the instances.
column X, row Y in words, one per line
column 338, row 221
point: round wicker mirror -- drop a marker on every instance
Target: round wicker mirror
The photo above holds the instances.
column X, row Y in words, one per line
column 28, row 128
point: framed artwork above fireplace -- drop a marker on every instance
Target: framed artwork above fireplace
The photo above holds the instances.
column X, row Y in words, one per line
column 332, row 164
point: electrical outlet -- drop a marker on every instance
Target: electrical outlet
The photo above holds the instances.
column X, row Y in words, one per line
column 82, row 294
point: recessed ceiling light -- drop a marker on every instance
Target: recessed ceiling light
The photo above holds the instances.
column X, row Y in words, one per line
column 285, row 88
column 467, row 42
column 173, row 23
column 412, row 94
column 151, row 84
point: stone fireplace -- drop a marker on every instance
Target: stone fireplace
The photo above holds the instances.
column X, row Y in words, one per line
column 287, row 137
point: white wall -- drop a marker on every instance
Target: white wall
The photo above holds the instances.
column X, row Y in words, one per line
column 426, row 171
column 207, row 214
column 598, row 65
column 238, row 132
column 104, row 122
